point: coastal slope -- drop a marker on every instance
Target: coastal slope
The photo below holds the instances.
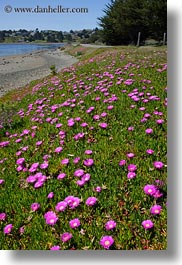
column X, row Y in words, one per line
column 17, row 71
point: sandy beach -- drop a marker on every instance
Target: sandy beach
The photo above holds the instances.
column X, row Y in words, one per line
column 18, row 71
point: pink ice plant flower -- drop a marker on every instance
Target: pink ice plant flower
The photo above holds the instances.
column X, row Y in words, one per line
column 158, row 164
column 106, row 241
column 88, row 162
column 160, row 121
column 1, row 181
column 8, row 228
column 131, row 175
column 79, row 173
column 130, row 155
column 58, row 149
column 50, row 195
column 35, row 206
column 66, row 236
column 65, row 161
column 98, row 189
column 75, row 202
column 51, row 218
column 85, row 177
column 20, row 161
column 34, row 167
column 110, row 225
column 88, row 152
column 103, row 125
column 155, row 209
column 149, row 151
column 74, row 223
column 2, row 216
column 55, row 248
column 149, row 131
column 80, row 183
column 61, row 176
column 91, row 201
column 150, row 189
column 132, row 167
column 122, row 162
column 44, row 165
column 61, row 206
column 147, row 224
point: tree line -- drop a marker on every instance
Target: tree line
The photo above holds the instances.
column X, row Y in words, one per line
column 124, row 19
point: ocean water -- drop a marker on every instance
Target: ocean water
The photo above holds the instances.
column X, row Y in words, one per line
column 7, row 49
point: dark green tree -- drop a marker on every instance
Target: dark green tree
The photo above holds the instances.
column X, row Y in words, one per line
column 123, row 20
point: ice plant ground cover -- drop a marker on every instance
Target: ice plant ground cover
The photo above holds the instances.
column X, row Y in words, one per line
column 83, row 157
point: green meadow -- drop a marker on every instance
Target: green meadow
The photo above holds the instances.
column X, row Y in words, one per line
column 87, row 145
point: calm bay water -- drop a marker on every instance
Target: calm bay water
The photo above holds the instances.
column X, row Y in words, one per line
column 21, row 48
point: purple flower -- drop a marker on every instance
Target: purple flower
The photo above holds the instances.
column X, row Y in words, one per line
column 149, row 131
column 156, row 209
column 74, row 223
column 76, row 160
column 66, row 236
column 106, row 241
column 149, row 151
column 61, row 176
column 65, row 161
column 35, row 206
column 91, row 201
column 44, row 165
column 104, row 114
column 22, row 230
column 132, row 167
column 110, row 107
column 96, row 117
column 31, row 179
column 110, row 225
column 20, row 161
column 150, row 189
column 157, row 194
column 58, row 149
column 61, row 206
column 131, row 175
column 131, row 128
column 103, row 125
column 55, row 248
column 88, row 162
column 69, row 199
column 158, row 164
column 160, row 121
column 122, row 162
column 34, row 167
column 130, row 155
column 147, row 224
column 2, row 216
column 74, row 203
column 1, row 181
column 86, row 177
column 88, row 152
column 50, row 195
column 80, row 183
column 8, row 228
column 50, row 218
column 84, row 124
column 79, row 173
column 98, row 189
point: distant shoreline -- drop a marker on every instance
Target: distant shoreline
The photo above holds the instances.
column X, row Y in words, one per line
column 41, row 46
column 18, row 70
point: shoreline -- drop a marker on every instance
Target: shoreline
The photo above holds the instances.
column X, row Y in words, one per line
column 19, row 70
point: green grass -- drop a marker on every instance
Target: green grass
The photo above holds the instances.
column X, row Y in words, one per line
column 121, row 199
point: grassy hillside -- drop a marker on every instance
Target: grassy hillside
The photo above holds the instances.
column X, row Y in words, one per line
column 97, row 132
